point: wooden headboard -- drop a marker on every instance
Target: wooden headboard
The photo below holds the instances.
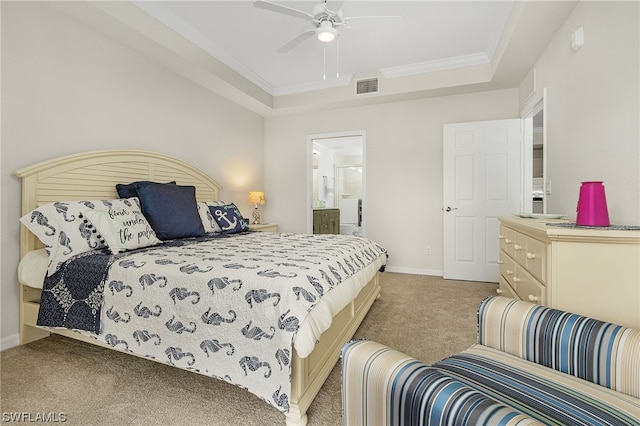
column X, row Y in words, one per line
column 93, row 175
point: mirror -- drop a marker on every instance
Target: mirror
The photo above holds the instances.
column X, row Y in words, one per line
column 534, row 180
column 338, row 185
column 537, row 155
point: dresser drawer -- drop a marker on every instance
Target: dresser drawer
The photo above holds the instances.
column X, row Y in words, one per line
column 506, row 240
column 504, row 289
column 536, row 258
column 527, row 251
column 507, row 268
column 528, row 288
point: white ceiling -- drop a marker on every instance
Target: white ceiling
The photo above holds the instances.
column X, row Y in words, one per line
column 429, row 35
column 437, row 48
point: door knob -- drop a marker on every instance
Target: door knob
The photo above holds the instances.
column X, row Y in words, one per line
column 448, row 209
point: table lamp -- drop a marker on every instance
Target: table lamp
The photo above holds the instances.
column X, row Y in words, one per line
column 256, row 198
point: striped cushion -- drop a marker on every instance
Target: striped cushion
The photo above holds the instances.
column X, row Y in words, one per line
column 599, row 352
column 381, row 386
column 541, row 393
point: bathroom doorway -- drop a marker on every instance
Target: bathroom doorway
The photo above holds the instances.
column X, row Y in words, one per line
column 336, row 183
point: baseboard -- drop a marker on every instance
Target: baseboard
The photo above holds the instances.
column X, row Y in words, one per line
column 9, row 341
column 414, row 271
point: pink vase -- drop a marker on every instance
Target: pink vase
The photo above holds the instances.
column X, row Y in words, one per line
column 592, row 205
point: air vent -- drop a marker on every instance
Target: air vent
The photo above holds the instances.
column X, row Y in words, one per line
column 370, row 85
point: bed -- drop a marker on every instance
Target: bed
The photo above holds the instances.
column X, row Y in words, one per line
column 329, row 299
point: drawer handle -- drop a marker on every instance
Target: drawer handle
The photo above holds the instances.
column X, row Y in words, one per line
column 533, row 298
column 500, row 262
column 516, row 280
column 499, row 291
column 507, row 241
column 517, row 247
column 509, row 272
column 531, row 256
column 501, row 237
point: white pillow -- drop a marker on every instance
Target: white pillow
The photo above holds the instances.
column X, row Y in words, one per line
column 63, row 230
column 122, row 225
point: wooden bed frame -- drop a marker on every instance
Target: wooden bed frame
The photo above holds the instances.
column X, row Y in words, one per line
column 93, row 175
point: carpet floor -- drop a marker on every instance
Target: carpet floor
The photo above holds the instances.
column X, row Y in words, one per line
column 57, row 378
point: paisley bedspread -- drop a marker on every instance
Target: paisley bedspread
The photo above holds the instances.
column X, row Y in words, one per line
column 228, row 308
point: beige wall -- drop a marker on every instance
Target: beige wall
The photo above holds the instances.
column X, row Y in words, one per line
column 66, row 89
column 403, row 168
column 593, row 108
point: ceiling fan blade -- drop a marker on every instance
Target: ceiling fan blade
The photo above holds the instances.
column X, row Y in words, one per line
column 263, row 4
column 373, row 22
column 295, row 41
column 334, row 5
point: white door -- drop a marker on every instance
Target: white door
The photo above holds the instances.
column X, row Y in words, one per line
column 482, row 180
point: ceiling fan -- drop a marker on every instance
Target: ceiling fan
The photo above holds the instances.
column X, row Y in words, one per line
column 326, row 18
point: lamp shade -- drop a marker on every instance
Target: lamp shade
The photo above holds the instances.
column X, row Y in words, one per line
column 256, row 198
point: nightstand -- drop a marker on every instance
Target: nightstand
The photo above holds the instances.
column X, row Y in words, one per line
column 264, row 227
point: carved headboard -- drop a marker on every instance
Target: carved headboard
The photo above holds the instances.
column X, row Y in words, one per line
column 93, row 175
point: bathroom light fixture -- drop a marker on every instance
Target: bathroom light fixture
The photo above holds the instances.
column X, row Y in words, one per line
column 325, row 32
column 256, row 198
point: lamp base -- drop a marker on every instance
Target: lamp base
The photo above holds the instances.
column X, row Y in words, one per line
column 256, row 216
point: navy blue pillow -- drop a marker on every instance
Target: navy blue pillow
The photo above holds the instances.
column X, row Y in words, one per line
column 171, row 210
column 129, row 190
column 229, row 218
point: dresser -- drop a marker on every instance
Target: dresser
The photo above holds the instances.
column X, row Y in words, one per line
column 326, row 221
column 592, row 272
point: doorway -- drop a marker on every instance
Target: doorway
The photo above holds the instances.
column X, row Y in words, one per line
column 336, row 183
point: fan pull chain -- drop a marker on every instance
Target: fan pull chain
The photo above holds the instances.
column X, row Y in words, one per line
column 324, row 62
column 337, row 60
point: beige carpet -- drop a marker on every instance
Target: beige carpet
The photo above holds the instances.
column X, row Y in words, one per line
column 425, row 317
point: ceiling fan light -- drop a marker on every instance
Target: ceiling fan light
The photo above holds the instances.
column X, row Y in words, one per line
column 325, row 32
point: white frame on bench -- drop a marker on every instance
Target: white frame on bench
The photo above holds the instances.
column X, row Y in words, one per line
column 93, row 175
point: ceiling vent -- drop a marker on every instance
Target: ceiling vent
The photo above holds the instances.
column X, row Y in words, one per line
column 369, row 85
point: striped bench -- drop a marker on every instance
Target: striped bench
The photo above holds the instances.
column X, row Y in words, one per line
column 531, row 365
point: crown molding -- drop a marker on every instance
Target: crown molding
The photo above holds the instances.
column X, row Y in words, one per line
column 188, row 32
column 437, row 65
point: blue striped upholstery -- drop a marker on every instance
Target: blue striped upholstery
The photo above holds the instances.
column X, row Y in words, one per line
column 599, row 352
column 552, row 399
column 382, row 386
column 532, row 365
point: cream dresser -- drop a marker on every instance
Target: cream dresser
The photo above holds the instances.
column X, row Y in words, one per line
column 592, row 272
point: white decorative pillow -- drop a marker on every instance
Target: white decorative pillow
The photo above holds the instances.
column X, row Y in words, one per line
column 63, row 230
column 209, row 224
column 122, row 225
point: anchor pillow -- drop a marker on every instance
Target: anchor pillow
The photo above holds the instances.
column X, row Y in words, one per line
column 209, row 224
column 229, row 218
column 171, row 210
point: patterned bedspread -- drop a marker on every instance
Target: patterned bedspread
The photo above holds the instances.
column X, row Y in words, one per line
column 225, row 307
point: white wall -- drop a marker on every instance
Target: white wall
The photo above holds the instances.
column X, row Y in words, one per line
column 593, row 108
column 403, row 168
column 66, row 89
